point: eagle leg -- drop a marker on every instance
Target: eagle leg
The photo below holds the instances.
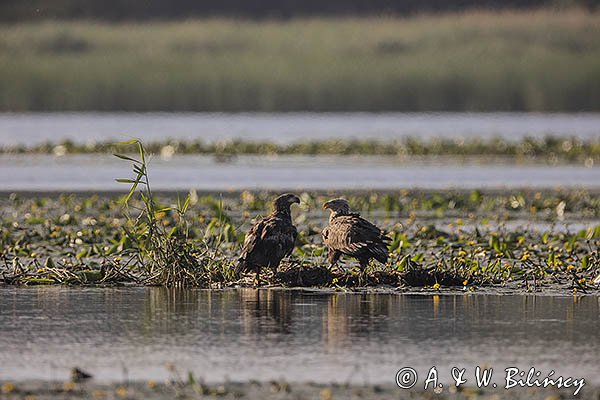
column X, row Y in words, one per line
column 257, row 278
column 364, row 263
column 333, row 257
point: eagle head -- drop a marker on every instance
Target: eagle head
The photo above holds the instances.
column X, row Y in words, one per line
column 338, row 206
column 284, row 201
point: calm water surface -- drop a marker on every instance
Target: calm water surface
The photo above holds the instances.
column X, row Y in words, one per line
column 98, row 172
column 31, row 128
column 93, row 172
column 119, row 333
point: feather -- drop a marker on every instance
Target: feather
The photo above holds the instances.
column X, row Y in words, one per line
column 351, row 235
column 270, row 239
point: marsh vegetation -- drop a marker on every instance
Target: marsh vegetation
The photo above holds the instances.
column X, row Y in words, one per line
column 472, row 61
column 550, row 149
column 520, row 239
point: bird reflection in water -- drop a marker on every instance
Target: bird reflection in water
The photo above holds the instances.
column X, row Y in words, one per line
column 265, row 311
column 352, row 316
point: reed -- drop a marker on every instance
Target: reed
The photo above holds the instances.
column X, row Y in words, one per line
column 472, row 61
column 168, row 254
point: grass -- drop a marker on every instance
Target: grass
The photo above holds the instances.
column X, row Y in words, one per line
column 529, row 60
column 551, row 149
column 523, row 240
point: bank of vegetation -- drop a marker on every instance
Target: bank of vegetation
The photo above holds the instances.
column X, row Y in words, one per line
column 542, row 60
column 551, row 149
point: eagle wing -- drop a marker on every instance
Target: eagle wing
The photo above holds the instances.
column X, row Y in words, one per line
column 250, row 243
column 266, row 243
column 279, row 237
column 252, row 238
column 356, row 237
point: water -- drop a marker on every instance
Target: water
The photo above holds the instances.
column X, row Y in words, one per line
column 97, row 173
column 118, row 333
column 32, row 128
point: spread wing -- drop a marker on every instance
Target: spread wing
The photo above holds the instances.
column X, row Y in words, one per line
column 355, row 236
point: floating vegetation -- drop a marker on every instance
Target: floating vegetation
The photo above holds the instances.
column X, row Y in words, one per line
column 550, row 149
column 521, row 239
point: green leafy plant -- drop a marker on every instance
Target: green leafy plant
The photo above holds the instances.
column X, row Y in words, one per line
column 168, row 254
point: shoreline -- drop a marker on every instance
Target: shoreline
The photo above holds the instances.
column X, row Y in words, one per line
column 268, row 390
column 551, row 291
column 235, row 194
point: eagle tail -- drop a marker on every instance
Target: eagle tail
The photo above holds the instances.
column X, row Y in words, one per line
column 382, row 256
column 380, row 252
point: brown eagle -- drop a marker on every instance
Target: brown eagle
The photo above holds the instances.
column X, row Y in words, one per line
column 270, row 239
column 351, row 235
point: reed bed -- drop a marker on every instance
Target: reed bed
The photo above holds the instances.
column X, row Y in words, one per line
column 473, row 61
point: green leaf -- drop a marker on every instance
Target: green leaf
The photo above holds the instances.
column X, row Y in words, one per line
column 131, row 192
column 418, row 257
column 39, row 281
column 401, row 265
column 81, row 254
column 142, row 152
column 584, row 262
column 126, row 158
column 185, row 205
column 300, row 251
column 140, row 170
column 128, row 142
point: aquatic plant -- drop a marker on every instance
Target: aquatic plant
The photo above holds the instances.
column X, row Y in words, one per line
column 167, row 253
column 520, row 239
column 550, row 149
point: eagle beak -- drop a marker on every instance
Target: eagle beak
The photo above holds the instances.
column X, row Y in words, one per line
column 326, row 205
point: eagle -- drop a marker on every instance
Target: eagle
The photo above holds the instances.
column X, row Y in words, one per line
column 270, row 239
column 350, row 234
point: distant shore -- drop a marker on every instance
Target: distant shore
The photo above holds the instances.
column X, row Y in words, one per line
column 533, row 60
column 550, row 150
